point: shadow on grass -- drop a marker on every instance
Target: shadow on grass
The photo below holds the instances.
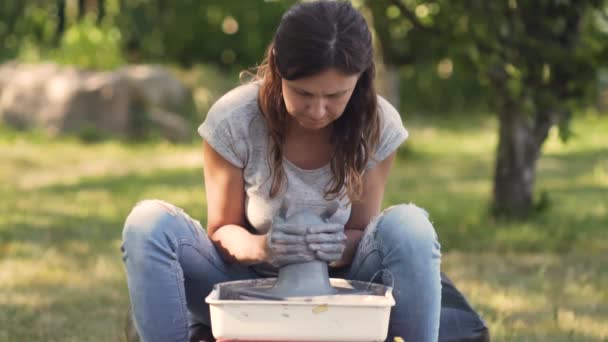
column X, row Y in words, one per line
column 40, row 311
column 93, row 210
column 62, row 255
column 558, row 165
column 135, row 182
column 535, row 297
column 457, row 192
column 472, row 122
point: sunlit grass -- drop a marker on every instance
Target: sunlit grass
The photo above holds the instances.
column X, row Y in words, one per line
column 536, row 297
column 62, row 205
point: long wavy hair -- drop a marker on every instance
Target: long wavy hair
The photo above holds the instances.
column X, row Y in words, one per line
column 313, row 37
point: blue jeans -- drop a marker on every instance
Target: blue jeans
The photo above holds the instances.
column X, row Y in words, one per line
column 172, row 266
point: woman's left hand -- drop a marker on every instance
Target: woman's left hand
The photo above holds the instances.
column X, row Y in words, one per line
column 327, row 240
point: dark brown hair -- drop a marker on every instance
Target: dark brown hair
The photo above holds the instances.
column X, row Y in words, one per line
column 313, row 37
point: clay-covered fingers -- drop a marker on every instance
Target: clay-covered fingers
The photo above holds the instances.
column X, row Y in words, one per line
column 326, row 238
column 329, row 252
column 287, row 239
column 325, row 233
column 327, row 247
column 328, row 241
column 328, row 257
column 325, row 228
column 294, row 258
column 284, row 254
column 281, row 249
column 287, row 244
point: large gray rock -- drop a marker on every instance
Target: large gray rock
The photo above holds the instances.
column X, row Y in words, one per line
column 126, row 102
column 158, row 86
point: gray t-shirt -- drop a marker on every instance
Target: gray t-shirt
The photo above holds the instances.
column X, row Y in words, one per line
column 237, row 130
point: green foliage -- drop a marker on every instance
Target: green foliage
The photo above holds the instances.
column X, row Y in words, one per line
column 423, row 90
column 90, row 134
column 538, row 60
column 24, row 30
column 90, row 46
column 547, row 52
column 231, row 34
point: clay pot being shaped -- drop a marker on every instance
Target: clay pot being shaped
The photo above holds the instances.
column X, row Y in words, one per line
column 300, row 279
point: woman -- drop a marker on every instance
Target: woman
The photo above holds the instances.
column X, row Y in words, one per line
column 311, row 130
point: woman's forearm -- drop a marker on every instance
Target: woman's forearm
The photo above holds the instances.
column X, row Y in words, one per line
column 353, row 236
column 236, row 244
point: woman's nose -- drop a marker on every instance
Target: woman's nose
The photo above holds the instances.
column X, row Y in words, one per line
column 317, row 108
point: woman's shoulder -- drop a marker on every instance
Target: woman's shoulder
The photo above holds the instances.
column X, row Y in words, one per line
column 387, row 112
column 392, row 131
column 238, row 104
column 228, row 125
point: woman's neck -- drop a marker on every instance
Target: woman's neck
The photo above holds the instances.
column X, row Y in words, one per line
column 295, row 131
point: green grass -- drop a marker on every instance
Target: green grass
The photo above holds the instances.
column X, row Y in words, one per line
column 62, row 205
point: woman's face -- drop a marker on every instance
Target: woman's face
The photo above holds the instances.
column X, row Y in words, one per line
column 316, row 101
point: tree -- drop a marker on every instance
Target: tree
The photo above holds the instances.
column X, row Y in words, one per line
column 229, row 33
column 539, row 59
column 81, row 9
column 101, row 10
column 60, row 20
column 10, row 12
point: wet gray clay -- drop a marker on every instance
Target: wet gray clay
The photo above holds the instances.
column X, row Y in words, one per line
column 308, row 278
column 301, row 279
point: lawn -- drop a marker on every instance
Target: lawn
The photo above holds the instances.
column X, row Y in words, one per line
column 63, row 202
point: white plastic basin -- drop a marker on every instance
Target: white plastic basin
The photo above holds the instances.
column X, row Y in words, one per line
column 337, row 318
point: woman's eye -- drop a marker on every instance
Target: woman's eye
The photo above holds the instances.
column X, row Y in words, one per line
column 299, row 92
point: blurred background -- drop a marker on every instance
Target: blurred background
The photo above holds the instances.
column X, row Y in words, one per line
column 506, row 102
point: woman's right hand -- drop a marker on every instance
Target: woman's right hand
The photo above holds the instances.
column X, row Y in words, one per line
column 286, row 244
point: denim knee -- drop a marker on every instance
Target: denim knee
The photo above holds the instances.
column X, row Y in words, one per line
column 407, row 226
column 151, row 221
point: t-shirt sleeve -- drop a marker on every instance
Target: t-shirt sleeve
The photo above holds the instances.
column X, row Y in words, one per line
column 392, row 132
column 221, row 130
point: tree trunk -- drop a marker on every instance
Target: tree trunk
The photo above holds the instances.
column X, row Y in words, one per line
column 81, row 9
column 16, row 11
column 387, row 82
column 515, row 166
column 387, row 61
column 101, row 10
column 519, row 143
column 60, row 21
